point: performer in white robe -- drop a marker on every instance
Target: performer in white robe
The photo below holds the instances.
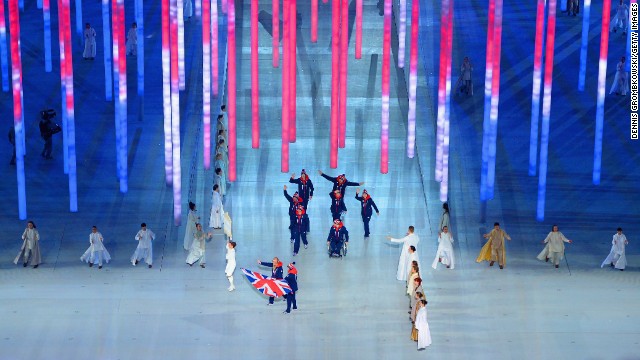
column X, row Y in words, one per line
column 197, row 251
column 220, row 164
column 617, row 257
column 145, row 246
column 465, row 80
column 555, row 240
column 231, row 263
column 403, row 262
column 620, row 81
column 413, row 256
column 220, row 124
column 188, row 9
column 217, row 212
column 219, row 180
column 132, row 40
column 89, row 42
column 621, row 19
column 444, row 219
column 445, row 250
column 30, row 246
column 192, row 219
column 96, row 251
column 424, row 334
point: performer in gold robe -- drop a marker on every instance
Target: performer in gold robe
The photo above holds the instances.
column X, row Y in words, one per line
column 493, row 250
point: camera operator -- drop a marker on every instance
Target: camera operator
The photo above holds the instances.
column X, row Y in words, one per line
column 47, row 130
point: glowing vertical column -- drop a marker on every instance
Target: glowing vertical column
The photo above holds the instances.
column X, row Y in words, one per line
column 140, row 49
column 46, row 14
column 344, row 56
column 586, row 14
column 358, row 51
column 181, row 70
column 224, row 5
column 546, row 106
column 206, row 83
column 413, row 78
column 116, row 81
column 275, row 32
column 16, row 82
column 214, row 46
column 537, row 81
column 106, row 37
column 175, row 16
column 602, row 82
column 495, row 98
column 231, row 83
column 70, row 106
column 166, row 91
column 386, row 62
column 255, row 82
column 442, row 87
column 4, row 57
column 402, row 32
column 314, row 20
column 79, row 24
column 293, row 19
column 63, row 83
column 39, row 4
column 444, row 184
column 487, row 101
column 21, row 4
column 198, row 6
column 335, row 82
column 286, row 58
column 122, row 97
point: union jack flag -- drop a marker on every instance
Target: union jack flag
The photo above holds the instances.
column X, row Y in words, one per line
column 267, row 285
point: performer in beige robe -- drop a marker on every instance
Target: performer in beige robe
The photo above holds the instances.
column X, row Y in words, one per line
column 424, row 334
column 616, row 256
column 197, row 251
column 404, row 263
column 555, row 246
column 30, row 246
column 494, row 249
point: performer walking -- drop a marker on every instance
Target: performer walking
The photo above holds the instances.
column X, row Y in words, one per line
column 444, row 219
column 424, row 334
column 305, row 186
column 197, row 251
column 276, row 271
column 340, row 182
column 621, row 19
column 145, row 246
column 231, row 263
column 445, row 250
column 410, row 239
column 292, row 280
column 132, row 40
column 337, row 204
column 620, row 83
column 96, row 251
column 366, row 211
column 192, row 220
column 554, row 249
column 299, row 228
column 337, row 239
column 616, row 256
column 30, row 246
column 493, row 250
column 217, row 211
column 89, row 33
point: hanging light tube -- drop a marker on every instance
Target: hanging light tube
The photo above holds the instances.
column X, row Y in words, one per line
column 487, row 101
column 344, row 56
column 335, row 83
column 106, row 37
column 206, row 83
column 293, row 19
column 602, row 82
column 175, row 17
column 386, row 61
column 166, row 91
column 413, row 78
column 4, row 57
column 231, row 83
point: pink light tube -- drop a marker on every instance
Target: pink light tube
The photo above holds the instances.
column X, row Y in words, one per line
column 214, row 46
column 255, row 82
column 413, row 78
column 63, row 83
column 546, row 108
column 275, row 38
column 4, row 60
column 335, row 81
column 535, row 94
column 402, row 33
column 231, row 87
column 292, row 69
column 344, row 55
column 122, row 97
column 166, row 92
column 224, row 5
column 386, row 61
column 175, row 112
column 70, row 107
column 358, row 29
column 495, row 97
column 314, row 20
column 602, row 81
column 18, row 123
column 286, row 58
column 442, row 87
column 487, row 100
column 444, row 184
column 181, row 70
column 108, row 63
column 206, row 83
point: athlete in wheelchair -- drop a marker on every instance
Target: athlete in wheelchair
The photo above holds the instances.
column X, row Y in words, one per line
column 337, row 240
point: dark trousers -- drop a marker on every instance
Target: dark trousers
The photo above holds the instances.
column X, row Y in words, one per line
column 48, row 144
column 291, row 300
column 365, row 220
column 271, row 298
column 296, row 240
column 13, row 158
